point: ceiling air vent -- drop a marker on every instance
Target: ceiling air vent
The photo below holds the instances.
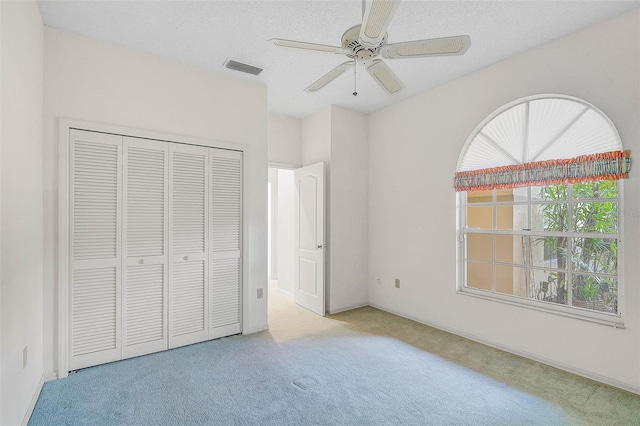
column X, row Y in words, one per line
column 242, row 67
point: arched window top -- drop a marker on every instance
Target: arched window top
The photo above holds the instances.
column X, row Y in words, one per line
column 539, row 128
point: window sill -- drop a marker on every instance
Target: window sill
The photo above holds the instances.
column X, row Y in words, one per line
column 575, row 313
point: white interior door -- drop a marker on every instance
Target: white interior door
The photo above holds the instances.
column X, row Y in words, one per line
column 155, row 246
column 95, row 248
column 308, row 289
column 145, row 246
column 188, row 230
column 225, row 242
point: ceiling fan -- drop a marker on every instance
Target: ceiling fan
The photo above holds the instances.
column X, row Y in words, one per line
column 364, row 43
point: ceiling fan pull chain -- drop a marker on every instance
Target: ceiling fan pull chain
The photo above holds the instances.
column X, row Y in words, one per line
column 355, row 81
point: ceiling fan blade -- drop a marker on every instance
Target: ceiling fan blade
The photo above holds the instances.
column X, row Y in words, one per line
column 306, row 46
column 376, row 18
column 446, row 46
column 385, row 77
column 329, row 77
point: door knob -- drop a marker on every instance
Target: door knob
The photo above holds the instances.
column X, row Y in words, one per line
column 319, row 246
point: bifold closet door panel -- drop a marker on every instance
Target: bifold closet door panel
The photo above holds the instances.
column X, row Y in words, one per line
column 145, row 246
column 225, row 242
column 188, row 231
column 95, row 248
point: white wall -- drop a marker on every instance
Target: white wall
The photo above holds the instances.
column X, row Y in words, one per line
column 0, row 212
column 96, row 81
column 21, row 201
column 349, row 211
column 273, row 224
column 338, row 136
column 286, row 225
column 284, row 140
column 414, row 147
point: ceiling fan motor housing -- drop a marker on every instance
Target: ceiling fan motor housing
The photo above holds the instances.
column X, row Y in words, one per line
column 363, row 55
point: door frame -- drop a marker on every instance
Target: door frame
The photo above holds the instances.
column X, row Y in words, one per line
column 65, row 125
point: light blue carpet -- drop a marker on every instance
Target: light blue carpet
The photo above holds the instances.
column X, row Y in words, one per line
column 251, row 380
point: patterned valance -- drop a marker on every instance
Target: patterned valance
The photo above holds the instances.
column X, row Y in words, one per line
column 605, row 166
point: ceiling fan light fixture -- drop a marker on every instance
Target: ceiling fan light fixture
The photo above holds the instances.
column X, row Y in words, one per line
column 365, row 42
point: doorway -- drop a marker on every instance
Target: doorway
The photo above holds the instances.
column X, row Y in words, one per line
column 281, row 231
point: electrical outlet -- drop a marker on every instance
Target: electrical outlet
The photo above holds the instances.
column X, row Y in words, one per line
column 397, row 282
column 379, row 280
column 260, row 293
column 24, row 357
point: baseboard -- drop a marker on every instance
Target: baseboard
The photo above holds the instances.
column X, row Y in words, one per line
column 50, row 376
column 348, row 308
column 285, row 293
column 34, row 400
column 561, row 366
column 255, row 330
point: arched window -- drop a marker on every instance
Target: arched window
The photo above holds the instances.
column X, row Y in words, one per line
column 540, row 221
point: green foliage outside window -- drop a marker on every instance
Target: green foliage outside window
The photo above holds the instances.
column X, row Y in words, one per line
column 590, row 208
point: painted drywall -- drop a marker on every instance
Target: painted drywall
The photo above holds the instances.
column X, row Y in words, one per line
column 339, row 137
column 316, row 147
column 0, row 210
column 349, row 211
column 273, row 224
column 284, row 140
column 285, row 233
column 96, row 81
column 21, row 200
column 414, row 148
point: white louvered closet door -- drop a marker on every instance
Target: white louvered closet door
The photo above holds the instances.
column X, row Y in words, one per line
column 225, row 242
column 95, row 248
column 145, row 246
column 188, row 230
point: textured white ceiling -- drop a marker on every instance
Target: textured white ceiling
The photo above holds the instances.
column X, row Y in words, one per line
column 205, row 33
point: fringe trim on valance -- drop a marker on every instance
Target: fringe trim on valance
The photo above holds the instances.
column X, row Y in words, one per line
column 606, row 166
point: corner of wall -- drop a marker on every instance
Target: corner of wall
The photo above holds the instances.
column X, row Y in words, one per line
column 21, row 141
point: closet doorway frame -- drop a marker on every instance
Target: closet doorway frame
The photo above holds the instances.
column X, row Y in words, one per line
column 65, row 125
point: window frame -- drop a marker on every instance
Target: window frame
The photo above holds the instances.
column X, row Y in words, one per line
column 615, row 320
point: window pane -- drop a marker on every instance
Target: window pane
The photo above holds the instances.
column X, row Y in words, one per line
column 504, row 194
column 520, row 194
column 550, row 252
column 479, row 196
column 511, row 280
column 596, row 293
column 479, row 275
column 549, row 192
column 596, row 217
column 512, row 217
column 509, row 249
column 479, row 246
column 550, row 217
column 480, row 217
column 549, row 286
column 600, row 189
column 599, row 255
